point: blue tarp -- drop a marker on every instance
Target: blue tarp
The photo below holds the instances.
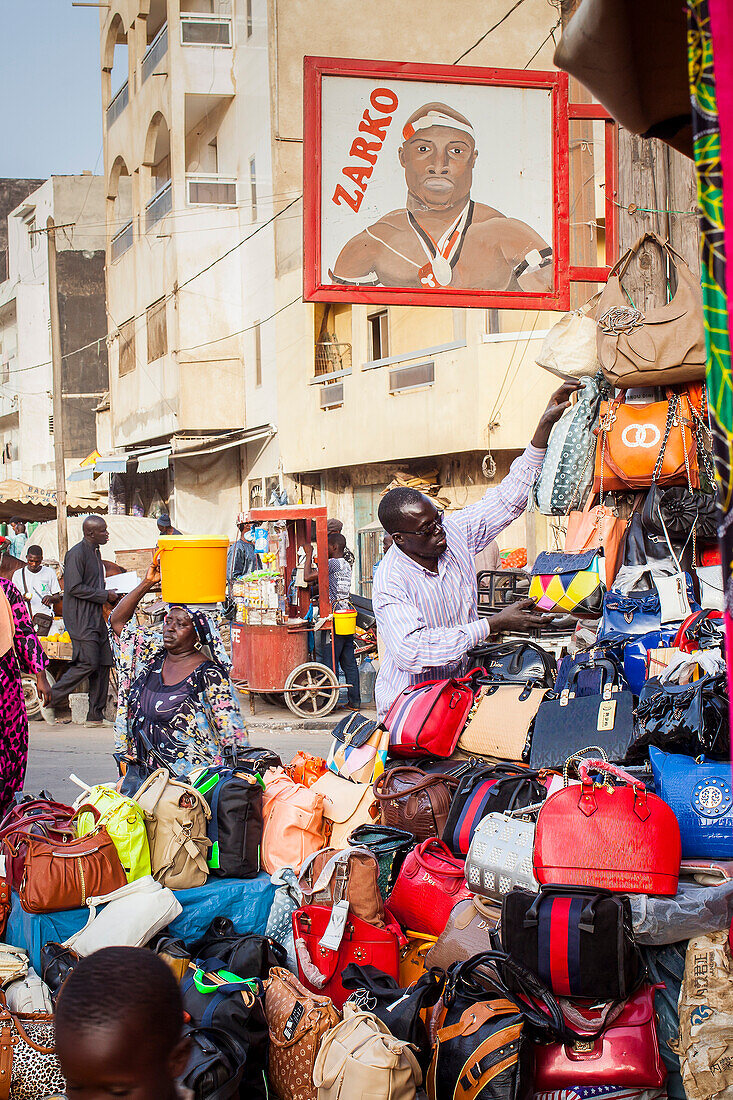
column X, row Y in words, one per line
column 245, row 901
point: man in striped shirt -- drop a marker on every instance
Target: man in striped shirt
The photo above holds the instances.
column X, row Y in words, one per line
column 425, row 596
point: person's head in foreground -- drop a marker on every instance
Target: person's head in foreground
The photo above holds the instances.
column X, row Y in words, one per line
column 119, row 1019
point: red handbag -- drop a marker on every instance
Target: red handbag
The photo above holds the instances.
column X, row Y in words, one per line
column 427, row 719
column 430, row 882
column 625, row 1054
column 320, row 968
column 619, row 838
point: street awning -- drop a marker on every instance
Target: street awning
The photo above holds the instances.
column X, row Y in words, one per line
column 148, row 459
column 33, row 502
column 191, row 446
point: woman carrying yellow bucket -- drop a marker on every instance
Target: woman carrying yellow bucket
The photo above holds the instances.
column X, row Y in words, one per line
column 338, row 652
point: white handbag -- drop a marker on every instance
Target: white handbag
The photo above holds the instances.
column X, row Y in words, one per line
column 500, row 854
column 29, row 994
column 13, row 964
column 130, row 918
column 570, row 347
column 712, row 595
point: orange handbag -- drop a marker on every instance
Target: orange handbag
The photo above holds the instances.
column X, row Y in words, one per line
column 596, row 528
column 306, row 769
column 639, row 444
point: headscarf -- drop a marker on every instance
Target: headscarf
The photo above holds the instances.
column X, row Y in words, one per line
column 7, row 624
column 207, row 634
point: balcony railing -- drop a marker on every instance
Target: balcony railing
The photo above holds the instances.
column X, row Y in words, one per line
column 157, row 50
column 121, row 241
column 206, row 30
column 332, row 358
column 160, row 204
column 118, row 103
column 206, row 190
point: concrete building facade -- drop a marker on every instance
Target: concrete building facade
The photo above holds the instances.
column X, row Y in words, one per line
column 28, row 416
column 251, row 389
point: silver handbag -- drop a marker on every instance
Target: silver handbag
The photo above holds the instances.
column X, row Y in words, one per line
column 500, row 854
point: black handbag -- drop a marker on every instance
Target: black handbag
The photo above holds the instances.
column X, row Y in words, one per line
column 515, row 663
column 399, row 1009
column 57, row 962
column 245, row 954
column 567, row 725
column 577, row 941
column 488, row 789
column 254, row 760
column 390, row 846
column 483, row 1041
column 215, row 1066
column 680, row 509
column 686, row 718
column 235, row 827
column 213, row 1000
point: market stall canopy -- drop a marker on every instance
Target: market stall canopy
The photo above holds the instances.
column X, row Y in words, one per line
column 632, row 57
column 125, row 533
column 32, row 503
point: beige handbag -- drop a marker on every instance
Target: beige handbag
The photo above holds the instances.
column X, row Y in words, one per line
column 664, row 346
column 360, row 1057
column 569, row 349
column 345, row 805
column 297, row 1020
column 466, row 934
column 175, row 819
column 500, row 724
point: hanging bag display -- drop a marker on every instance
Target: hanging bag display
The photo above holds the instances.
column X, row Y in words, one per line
column 570, row 346
column 567, row 469
column 578, row 940
column 412, row 801
column 566, row 725
column 501, row 853
column 430, row 882
column 659, row 346
column 486, row 790
column 426, row 719
column 641, row 444
column 596, row 527
column 700, row 792
column 622, row 838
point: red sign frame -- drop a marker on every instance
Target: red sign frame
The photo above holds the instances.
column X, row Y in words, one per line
column 315, row 68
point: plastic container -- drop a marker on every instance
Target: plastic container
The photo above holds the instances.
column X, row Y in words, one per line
column 344, row 622
column 193, row 570
column 262, row 540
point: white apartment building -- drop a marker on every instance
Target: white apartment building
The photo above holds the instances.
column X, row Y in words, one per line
column 27, row 413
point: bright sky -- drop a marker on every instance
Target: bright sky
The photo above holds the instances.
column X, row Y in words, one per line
column 50, row 89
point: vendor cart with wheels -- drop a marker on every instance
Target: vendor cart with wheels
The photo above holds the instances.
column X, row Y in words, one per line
column 273, row 618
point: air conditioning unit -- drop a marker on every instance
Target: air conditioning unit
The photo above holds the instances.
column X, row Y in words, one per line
column 332, row 395
column 412, row 378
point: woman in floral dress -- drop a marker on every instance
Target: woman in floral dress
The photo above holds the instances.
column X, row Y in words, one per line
column 20, row 651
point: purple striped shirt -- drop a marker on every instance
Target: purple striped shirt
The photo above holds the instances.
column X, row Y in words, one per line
column 429, row 621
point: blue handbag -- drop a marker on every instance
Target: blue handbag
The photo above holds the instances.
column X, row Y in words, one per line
column 700, row 793
column 635, row 651
column 639, row 612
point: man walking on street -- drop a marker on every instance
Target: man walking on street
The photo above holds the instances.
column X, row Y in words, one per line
column 84, row 597
column 39, row 587
column 339, row 590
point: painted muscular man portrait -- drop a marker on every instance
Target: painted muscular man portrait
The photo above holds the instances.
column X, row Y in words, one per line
column 443, row 238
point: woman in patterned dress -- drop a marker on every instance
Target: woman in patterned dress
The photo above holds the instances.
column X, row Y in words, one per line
column 20, row 651
column 176, row 707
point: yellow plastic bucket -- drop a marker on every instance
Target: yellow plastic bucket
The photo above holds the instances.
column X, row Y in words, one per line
column 344, row 622
column 193, row 570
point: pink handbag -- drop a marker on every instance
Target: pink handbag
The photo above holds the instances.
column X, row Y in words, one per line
column 430, row 882
column 625, row 1054
column 294, row 825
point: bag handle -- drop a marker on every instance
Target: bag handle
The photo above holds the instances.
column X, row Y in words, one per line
column 441, row 849
column 610, row 678
column 579, row 755
column 219, row 1038
column 423, row 785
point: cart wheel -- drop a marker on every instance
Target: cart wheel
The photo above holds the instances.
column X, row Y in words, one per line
column 32, row 701
column 311, row 690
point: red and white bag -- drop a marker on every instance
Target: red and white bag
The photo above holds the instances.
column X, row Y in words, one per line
column 427, row 719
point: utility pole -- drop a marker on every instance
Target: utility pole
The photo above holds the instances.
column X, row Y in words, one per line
column 58, row 408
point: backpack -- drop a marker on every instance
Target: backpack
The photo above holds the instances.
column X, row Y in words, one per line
column 235, row 826
column 294, row 823
column 216, row 999
column 124, row 821
column 175, row 819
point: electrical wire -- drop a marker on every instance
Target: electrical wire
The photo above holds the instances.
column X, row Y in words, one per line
column 488, row 32
column 544, row 42
column 239, row 332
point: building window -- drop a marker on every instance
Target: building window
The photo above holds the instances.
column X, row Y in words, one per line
column 249, row 18
column 50, row 424
column 379, row 334
column 126, row 345
column 253, row 187
column 157, row 330
column 493, row 323
column 258, row 355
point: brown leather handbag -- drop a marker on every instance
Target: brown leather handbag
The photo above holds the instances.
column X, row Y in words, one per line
column 297, row 1021
column 639, row 444
column 408, row 799
column 61, row 875
column 352, row 874
column 466, row 934
column 653, row 347
column 412, row 956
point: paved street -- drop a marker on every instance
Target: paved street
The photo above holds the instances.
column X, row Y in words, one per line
column 56, row 751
